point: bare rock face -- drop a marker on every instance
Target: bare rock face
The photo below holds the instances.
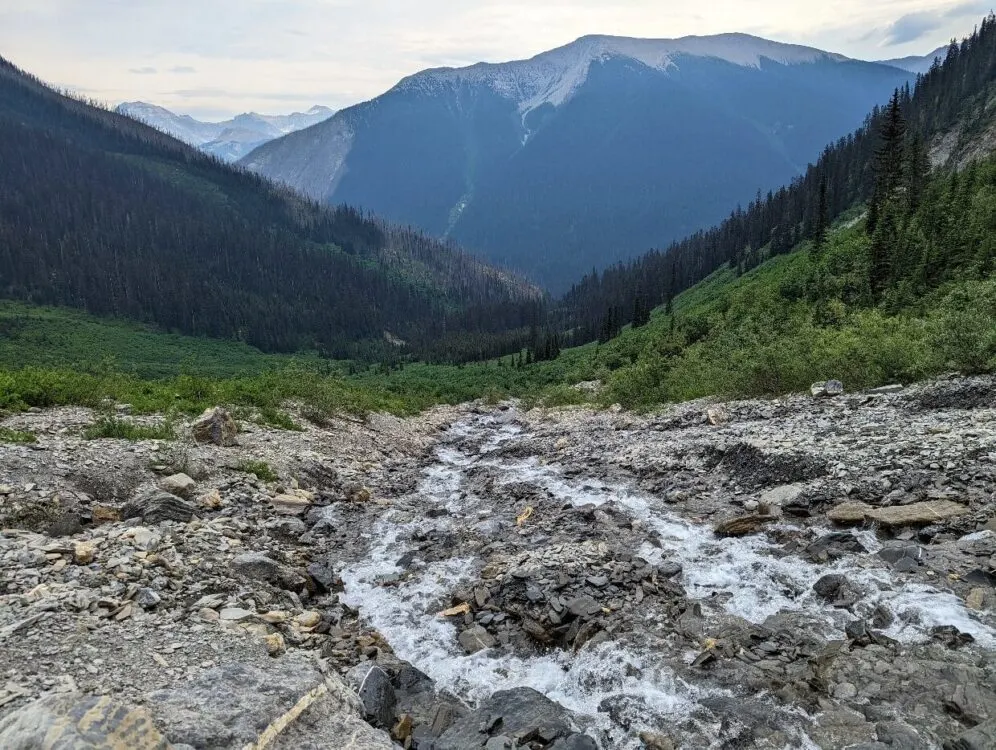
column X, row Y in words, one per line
column 215, row 426
column 72, row 720
column 290, row 704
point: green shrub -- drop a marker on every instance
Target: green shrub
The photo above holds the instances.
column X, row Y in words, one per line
column 120, row 429
column 260, row 469
column 18, row 437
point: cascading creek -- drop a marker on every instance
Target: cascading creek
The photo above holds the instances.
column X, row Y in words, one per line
column 642, row 670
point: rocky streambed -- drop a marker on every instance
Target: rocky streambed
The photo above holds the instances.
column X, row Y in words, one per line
column 805, row 572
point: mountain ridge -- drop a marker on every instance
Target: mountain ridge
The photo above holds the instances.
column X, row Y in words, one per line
column 584, row 155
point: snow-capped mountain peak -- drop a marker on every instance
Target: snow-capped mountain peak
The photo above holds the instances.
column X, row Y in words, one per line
column 552, row 77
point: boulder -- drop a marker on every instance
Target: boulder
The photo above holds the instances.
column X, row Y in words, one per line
column 259, row 567
column 72, row 720
column 476, row 638
column 743, row 525
column 376, row 693
column 180, row 485
column 515, row 714
column 236, row 704
column 829, row 389
column 156, row 507
column 215, row 426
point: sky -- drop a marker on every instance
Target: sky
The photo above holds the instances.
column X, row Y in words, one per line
column 216, row 58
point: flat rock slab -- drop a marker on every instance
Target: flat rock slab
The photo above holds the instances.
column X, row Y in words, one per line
column 916, row 514
column 72, row 720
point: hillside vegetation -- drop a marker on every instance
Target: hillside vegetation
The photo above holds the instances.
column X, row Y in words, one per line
column 102, row 213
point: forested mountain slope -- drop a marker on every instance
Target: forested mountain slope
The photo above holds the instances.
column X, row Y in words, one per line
column 103, row 213
column 587, row 154
column 944, row 101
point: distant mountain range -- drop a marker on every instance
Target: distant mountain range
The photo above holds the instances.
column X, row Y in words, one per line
column 229, row 140
column 915, row 64
column 587, row 154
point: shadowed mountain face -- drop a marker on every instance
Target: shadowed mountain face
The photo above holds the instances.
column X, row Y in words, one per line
column 100, row 212
column 588, row 154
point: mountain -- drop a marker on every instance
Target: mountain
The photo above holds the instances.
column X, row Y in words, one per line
column 103, row 213
column 917, row 64
column 949, row 121
column 229, row 140
column 587, row 154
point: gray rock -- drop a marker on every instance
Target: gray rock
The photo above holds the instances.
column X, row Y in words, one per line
column 65, row 525
column 982, row 737
column 180, row 485
column 885, row 389
column 501, row 742
column 900, row 736
column 584, row 606
column 156, row 506
column 147, row 598
column 575, row 742
column 513, row 713
column 376, row 693
column 476, row 638
column 259, row 567
column 893, row 553
column 323, row 572
column 828, row 389
column 71, row 720
column 229, row 706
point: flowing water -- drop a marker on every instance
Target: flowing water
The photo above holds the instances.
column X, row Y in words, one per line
column 743, row 573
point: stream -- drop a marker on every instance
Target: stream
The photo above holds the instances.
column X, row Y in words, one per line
column 744, row 578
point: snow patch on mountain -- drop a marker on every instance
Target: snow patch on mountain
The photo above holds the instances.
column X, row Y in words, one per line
column 553, row 77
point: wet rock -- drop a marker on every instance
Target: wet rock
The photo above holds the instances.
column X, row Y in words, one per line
column 156, row 507
column 743, row 525
column 834, row 546
column 575, row 742
column 836, row 589
column 323, row 573
column 75, row 721
column 376, row 693
column 180, row 485
column 653, row 741
column 257, row 566
column 476, row 638
column 215, row 426
column 982, row 737
column 895, row 553
column 515, row 713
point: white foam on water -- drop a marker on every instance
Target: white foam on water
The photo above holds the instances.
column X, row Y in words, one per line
column 745, row 574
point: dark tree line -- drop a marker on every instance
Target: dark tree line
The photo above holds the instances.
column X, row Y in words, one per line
column 886, row 156
column 102, row 213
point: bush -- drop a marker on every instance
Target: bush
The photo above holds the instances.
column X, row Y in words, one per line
column 18, row 437
column 260, row 469
column 120, row 429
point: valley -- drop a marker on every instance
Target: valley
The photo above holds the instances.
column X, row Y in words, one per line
column 640, row 394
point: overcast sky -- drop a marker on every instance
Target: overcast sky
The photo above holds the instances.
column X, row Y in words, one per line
column 215, row 58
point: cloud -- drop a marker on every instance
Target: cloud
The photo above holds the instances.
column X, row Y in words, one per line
column 914, row 26
column 146, row 71
column 183, row 70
